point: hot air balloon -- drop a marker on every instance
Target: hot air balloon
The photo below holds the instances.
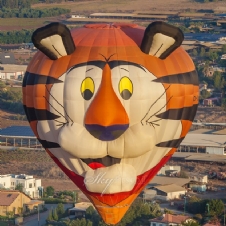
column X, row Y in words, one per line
column 110, row 103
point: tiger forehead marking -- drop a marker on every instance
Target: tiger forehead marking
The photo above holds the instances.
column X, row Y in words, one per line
column 110, row 100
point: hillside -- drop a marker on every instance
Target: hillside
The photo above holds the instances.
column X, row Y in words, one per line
column 79, row 7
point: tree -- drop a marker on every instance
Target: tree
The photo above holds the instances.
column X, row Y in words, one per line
column 202, row 52
column 216, row 207
column 223, row 103
column 190, row 223
column 50, row 216
column 55, row 215
column 204, row 94
column 19, row 187
column 60, row 209
column 49, row 191
column 218, row 80
column 224, row 49
column 194, row 52
column 213, row 56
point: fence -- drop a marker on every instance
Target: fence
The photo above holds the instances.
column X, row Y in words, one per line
column 17, row 142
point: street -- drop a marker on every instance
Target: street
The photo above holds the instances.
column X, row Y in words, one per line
column 33, row 220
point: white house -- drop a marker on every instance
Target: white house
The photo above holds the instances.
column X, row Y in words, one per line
column 169, row 192
column 204, row 143
column 31, row 186
column 12, row 71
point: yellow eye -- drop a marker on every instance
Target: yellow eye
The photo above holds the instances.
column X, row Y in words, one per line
column 125, row 88
column 87, row 88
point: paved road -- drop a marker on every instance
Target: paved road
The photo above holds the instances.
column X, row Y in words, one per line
column 173, row 208
column 33, row 220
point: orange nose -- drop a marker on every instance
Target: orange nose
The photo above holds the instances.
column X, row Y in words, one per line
column 106, row 110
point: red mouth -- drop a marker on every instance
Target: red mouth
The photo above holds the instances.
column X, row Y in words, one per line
column 96, row 165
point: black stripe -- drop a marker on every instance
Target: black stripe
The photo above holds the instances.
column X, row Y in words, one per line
column 171, row 143
column 185, row 113
column 48, row 144
column 34, row 79
column 183, row 78
column 39, row 114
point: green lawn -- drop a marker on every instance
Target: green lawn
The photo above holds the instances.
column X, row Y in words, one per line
column 25, row 23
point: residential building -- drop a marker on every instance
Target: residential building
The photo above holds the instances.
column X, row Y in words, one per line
column 31, row 186
column 169, row 170
column 79, row 209
column 12, row 71
column 12, row 201
column 170, row 220
column 208, row 143
column 169, row 192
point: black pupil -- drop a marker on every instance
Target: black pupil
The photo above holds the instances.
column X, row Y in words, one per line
column 125, row 94
column 87, row 94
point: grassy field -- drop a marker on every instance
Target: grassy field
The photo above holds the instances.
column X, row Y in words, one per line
column 91, row 6
column 9, row 24
column 133, row 5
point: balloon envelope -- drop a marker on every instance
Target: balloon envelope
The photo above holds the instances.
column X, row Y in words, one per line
column 110, row 103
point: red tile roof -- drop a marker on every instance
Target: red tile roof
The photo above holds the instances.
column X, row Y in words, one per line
column 169, row 218
column 8, row 197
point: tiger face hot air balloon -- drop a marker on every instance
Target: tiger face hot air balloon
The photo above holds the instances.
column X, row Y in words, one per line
column 110, row 103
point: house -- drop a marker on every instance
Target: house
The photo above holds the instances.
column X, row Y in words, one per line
column 31, row 186
column 33, row 205
column 213, row 144
column 169, row 192
column 79, row 209
column 12, row 201
column 12, row 71
column 169, row 170
column 169, row 219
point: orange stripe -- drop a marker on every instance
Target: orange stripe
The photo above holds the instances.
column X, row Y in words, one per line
column 34, row 96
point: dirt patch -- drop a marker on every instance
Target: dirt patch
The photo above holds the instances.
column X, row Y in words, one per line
column 9, row 119
column 130, row 6
column 211, row 114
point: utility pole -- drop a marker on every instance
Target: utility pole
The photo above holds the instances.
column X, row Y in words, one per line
column 184, row 204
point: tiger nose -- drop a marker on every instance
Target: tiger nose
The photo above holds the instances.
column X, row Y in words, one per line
column 106, row 118
column 107, row 133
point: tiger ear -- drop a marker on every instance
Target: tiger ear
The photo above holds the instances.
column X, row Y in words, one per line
column 54, row 40
column 161, row 39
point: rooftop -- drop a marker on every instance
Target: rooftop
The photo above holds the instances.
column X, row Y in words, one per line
column 170, row 188
column 160, row 180
column 8, row 197
column 166, row 218
column 200, row 157
column 82, row 206
column 206, row 140
column 13, row 67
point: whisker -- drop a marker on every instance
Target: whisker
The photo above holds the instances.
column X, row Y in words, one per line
column 154, row 104
column 58, row 103
column 62, row 124
column 58, row 121
column 55, row 109
column 160, row 109
column 154, row 120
